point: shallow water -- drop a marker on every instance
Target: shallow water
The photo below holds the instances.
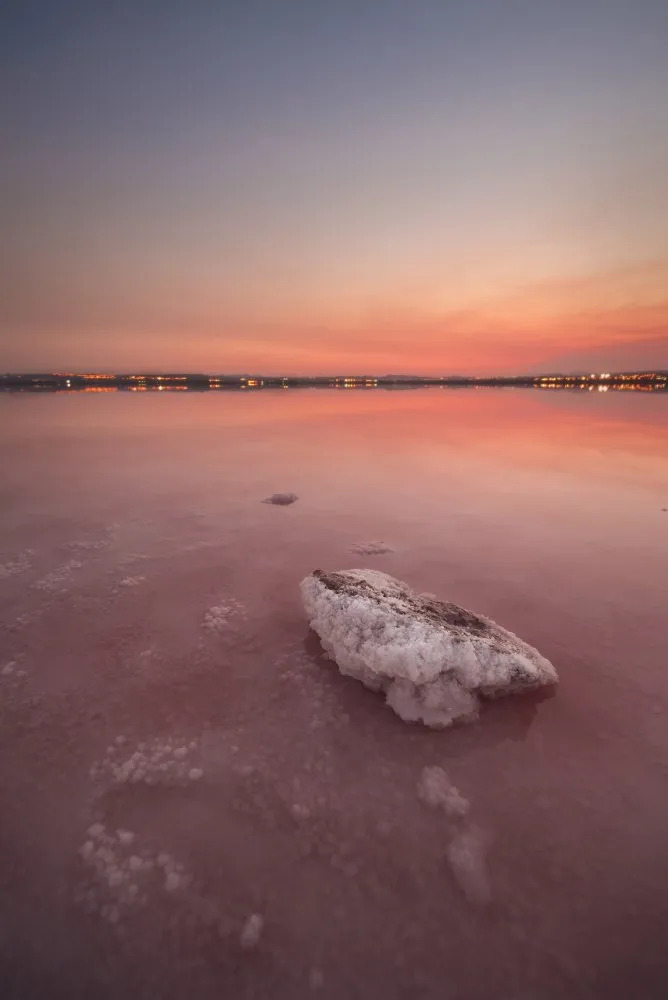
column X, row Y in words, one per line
column 157, row 677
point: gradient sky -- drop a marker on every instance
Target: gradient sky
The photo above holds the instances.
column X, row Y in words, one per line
column 319, row 185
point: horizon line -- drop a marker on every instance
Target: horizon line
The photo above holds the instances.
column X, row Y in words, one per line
column 258, row 380
column 172, row 373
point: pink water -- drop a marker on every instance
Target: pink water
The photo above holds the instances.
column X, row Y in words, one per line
column 147, row 594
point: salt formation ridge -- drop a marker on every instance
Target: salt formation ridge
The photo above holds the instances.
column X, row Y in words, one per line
column 432, row 659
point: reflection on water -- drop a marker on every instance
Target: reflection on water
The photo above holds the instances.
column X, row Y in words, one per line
column 180, row 757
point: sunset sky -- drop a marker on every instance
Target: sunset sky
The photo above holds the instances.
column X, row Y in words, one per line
column 311, row 186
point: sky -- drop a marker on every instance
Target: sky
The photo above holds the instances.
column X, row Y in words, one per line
column 310, row 186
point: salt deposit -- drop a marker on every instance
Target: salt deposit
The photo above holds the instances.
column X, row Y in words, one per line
column 88, row 546
column 371, row 548
column 13, row 672
column 218, row 617
column 431, row 658
column 59, row 578
column 316, row 980
column 155, row 762
column 20, row 564
column 252, row 930
column 117, row 882
column 436, row 790
column 466, row 856
column 132, row 581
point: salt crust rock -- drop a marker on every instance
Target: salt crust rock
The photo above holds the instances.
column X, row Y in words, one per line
column 432, row 659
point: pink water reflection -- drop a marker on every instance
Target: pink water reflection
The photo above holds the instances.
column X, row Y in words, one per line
column 139, row 523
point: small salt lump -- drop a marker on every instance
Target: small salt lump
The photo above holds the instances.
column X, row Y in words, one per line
column 371, row 548
column 432, row 659
column 252, row 930
column 436, row 790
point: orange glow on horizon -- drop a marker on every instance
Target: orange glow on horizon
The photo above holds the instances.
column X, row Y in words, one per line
column 615, row 321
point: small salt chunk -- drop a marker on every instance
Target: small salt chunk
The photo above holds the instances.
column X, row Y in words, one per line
column 180, row 752
column 135, row 863
column 466, row 854
column 195, row 773
column 371, row 548
column 316, row 979
column 436, row 789
column 163, row 859
column 96, row 830
column 172, row 881
column 125, row 836
column 9, row 668
column 252, row 930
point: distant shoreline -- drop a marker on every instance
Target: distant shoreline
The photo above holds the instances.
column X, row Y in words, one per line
column 101, row 382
